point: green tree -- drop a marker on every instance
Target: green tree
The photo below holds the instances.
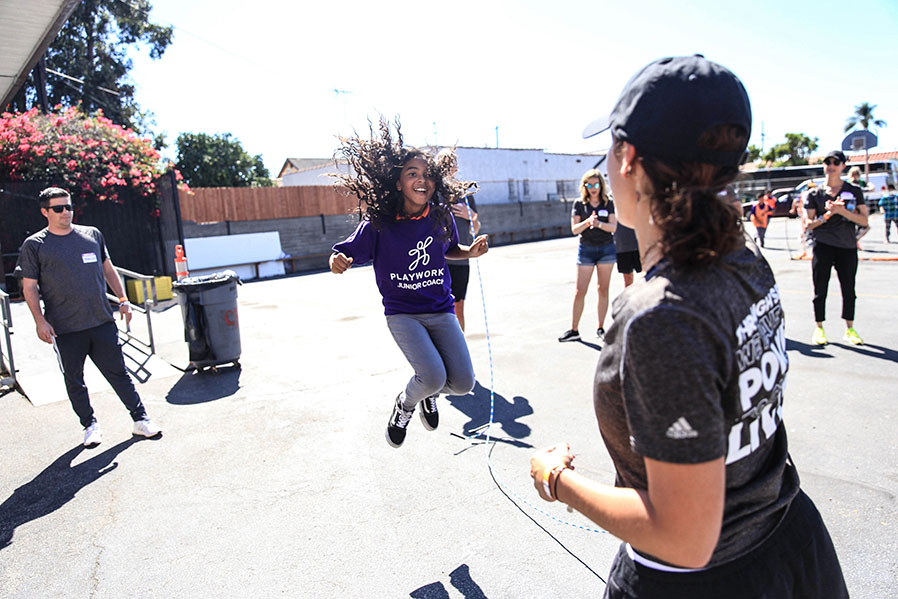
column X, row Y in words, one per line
column 93, row 47
column 219, row 161
column 754, row 152
column 794, row 151
column 863, row 118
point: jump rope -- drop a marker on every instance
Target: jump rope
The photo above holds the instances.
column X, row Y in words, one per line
column 485, row 433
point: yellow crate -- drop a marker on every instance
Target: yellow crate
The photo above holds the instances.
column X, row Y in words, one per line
column 135, row 289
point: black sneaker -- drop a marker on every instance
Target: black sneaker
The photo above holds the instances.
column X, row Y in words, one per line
column 571, row 335
column 600, row 333
column 398, row 423
column 429, row 415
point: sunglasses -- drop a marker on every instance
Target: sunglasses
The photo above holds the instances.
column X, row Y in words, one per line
column 593, row 185
column 58, row 209
column 832, row 161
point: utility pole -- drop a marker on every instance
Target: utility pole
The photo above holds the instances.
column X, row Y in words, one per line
column 40, row 85
column 497, row 136
column 344, row 93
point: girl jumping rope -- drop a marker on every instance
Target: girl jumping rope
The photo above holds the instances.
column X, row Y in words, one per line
column 407, row 231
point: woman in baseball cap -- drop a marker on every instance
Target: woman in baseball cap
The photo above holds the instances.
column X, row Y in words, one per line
column 689, row 387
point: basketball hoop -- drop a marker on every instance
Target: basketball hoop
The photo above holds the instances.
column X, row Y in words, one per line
column 859, row 140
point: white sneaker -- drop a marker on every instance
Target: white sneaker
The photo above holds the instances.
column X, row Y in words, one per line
column 93, row 436
column 146, row 428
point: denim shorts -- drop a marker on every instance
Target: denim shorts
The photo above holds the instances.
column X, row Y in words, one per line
column 590, row 255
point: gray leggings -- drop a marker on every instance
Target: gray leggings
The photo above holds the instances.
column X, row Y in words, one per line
column 435, row 347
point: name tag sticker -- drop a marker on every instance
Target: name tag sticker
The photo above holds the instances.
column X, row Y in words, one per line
column 602, row 213
column 88, row 257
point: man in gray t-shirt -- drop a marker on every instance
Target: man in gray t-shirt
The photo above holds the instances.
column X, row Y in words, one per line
column 68, row 267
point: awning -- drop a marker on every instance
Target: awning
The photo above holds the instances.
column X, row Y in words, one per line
column 26, row 30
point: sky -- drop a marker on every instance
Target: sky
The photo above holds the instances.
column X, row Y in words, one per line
column 286, row 78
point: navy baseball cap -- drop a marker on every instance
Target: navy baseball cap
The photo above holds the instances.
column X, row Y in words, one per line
column 667, row 106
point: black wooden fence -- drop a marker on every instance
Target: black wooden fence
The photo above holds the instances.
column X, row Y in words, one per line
column 138, row 229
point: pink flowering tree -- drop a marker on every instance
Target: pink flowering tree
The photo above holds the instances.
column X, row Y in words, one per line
column 95, row 158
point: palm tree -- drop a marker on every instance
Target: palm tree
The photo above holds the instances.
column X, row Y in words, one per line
column 863, row 118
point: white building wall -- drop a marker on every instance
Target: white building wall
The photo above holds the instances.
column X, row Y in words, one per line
column 508, row 175
column 316, row 176
column 504, row 174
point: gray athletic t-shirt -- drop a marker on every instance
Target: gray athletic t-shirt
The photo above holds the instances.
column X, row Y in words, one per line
column 838, row 231
column 625, row 239
column 69, row 271
column 693, row 370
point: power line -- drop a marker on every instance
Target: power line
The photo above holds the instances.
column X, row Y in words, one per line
column 223, row 49
column 81, row 81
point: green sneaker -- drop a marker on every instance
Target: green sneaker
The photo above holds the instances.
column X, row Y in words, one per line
column 819, row 337
column 852, row 337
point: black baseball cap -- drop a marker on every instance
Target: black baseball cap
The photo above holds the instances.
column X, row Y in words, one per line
column 667, row 106
column 837, row 155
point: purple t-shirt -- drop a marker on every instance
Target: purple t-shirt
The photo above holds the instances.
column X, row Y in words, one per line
column 409, row 263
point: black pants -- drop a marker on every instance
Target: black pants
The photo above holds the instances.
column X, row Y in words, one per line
column 761, row 231
column 797, row 561
column 101, row 344
column 845, row 261
column 459, row 273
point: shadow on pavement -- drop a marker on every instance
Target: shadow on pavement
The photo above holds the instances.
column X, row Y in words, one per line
column 200, row 387
column 874, row 351
column 807, row 349
column 54, row 487
column 595, row 346
column 476, row 406
column 460, row 578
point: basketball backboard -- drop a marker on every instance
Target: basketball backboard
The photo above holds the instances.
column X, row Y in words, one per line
column 859, row 140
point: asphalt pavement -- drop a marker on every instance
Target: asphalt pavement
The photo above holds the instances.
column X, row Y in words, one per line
column 275, row 479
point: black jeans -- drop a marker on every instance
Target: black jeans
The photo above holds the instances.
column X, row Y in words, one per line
column 845, row 261
column 101, row 344
column 797, row 560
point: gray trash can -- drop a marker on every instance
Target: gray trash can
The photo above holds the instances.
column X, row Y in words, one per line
column 211, row 326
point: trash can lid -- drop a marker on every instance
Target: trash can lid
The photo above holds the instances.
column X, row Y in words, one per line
column 204, row 282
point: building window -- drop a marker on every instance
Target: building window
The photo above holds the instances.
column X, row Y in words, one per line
column 526, row 190
column 512, row 190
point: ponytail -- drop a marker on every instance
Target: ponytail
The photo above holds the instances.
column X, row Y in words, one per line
column 698, row 225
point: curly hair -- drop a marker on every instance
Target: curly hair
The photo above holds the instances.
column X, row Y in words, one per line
column 698, row 225
column 374, row 168
column 603, row 190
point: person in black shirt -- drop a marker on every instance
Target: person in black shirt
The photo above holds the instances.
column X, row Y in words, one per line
column 592, row 218
column 833, row 212
column 689, row 387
